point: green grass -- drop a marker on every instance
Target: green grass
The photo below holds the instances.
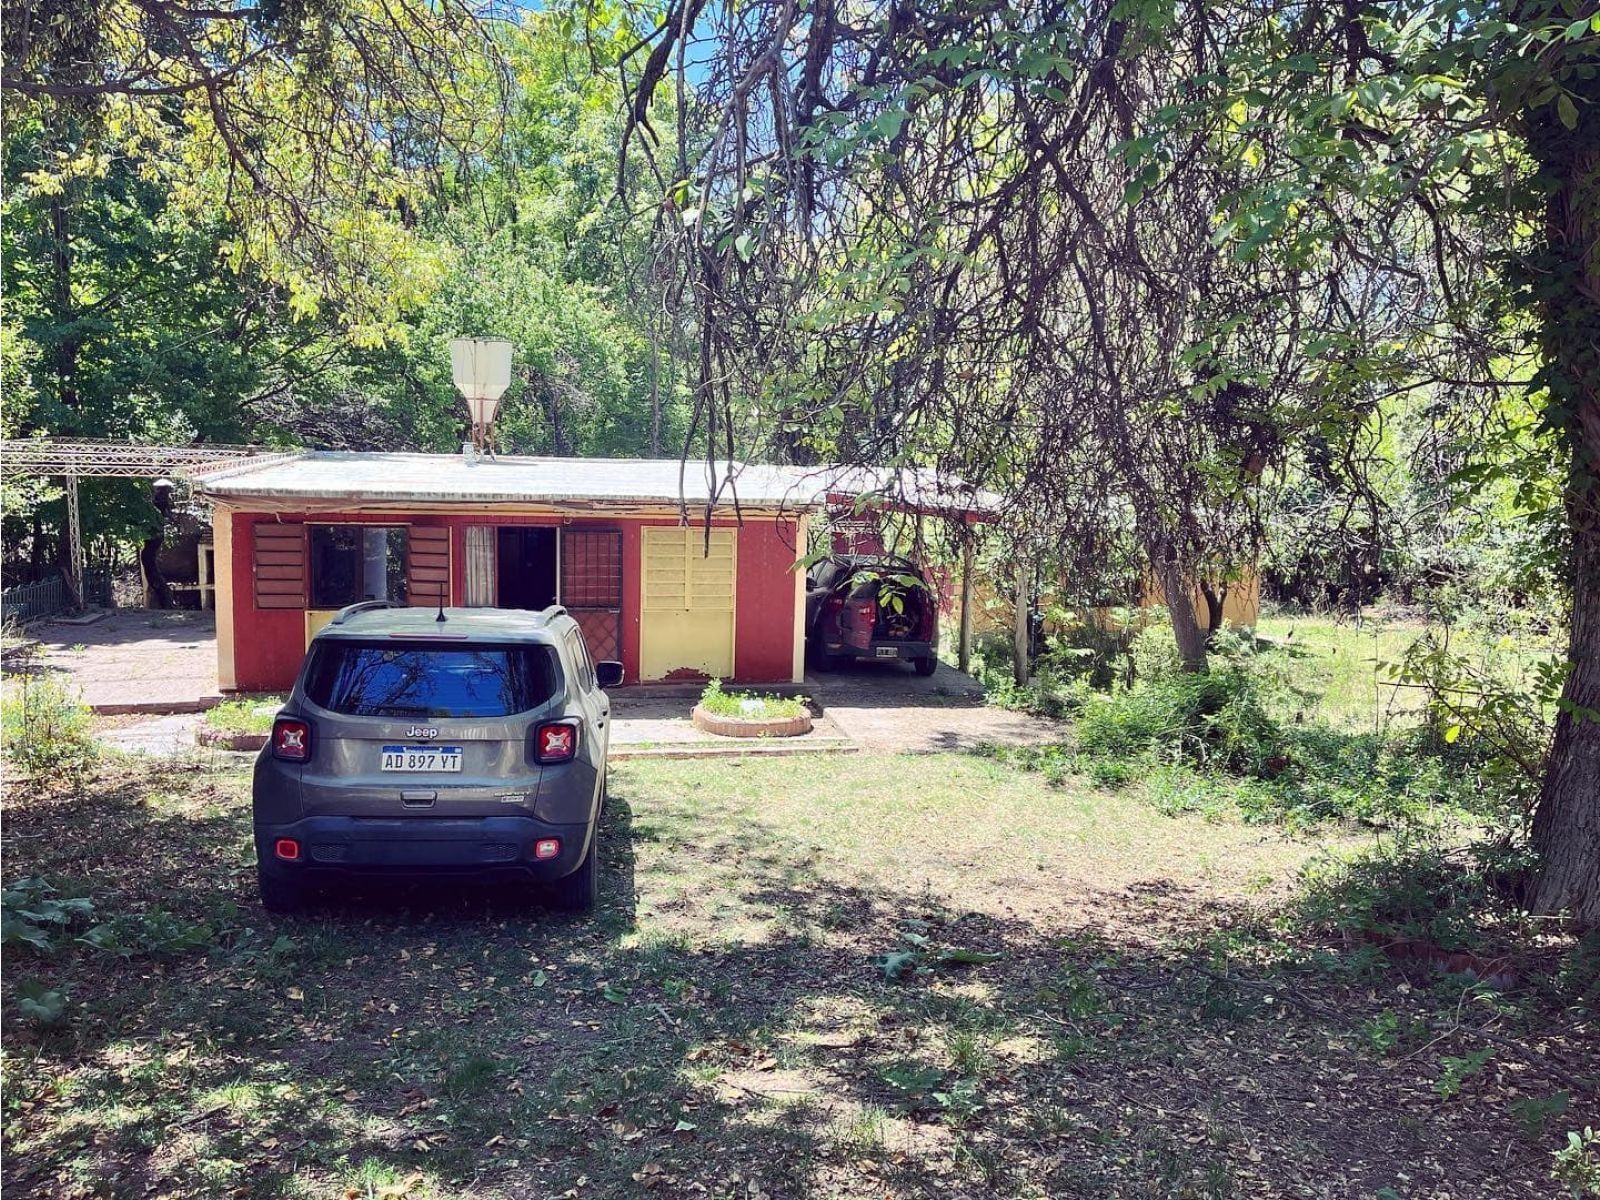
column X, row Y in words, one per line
column 1338, row 668
column 251, row 715
column 722, row 1025
column 750, row 706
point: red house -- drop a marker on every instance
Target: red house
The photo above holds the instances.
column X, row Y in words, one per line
column 298, row 537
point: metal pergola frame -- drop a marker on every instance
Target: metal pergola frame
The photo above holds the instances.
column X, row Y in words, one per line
column 84, row 458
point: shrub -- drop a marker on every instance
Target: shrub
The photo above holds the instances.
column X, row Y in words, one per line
column 45, row 726
column 1217, row 719
column 1154, row 653
column 1420, row 887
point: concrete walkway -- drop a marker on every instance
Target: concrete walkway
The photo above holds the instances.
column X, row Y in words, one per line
column 143, row 661
column 886, row 707
column 164, row 737
column 135, row 659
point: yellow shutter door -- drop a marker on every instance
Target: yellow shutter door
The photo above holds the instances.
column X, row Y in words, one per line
column 686, row 621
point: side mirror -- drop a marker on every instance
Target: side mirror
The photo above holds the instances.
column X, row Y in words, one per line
column 608, row 674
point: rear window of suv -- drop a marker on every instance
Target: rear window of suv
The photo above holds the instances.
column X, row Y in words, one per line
column 404, row 679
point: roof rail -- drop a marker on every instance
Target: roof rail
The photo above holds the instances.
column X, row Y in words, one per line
column 350, row 610
column 553, row 611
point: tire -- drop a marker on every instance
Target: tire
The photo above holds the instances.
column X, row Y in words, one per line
column 926, row 665
column 576, row 892
column 280, row 895
column 824, row 661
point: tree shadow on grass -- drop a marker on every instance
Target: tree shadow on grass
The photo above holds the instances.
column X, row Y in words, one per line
column 774, row 1045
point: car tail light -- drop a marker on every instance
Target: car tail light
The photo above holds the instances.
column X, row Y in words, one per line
column 555, row 742
column 547, row 848
column 287, row 849
column 291, row 739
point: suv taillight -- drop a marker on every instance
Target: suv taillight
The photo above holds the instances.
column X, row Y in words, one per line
column 291, row 739
column 555, row 742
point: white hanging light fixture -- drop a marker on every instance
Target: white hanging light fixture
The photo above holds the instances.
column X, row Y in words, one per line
column 481, row 368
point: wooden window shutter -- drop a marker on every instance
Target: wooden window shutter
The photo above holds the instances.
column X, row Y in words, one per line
column 278, row 562
column 427, row 566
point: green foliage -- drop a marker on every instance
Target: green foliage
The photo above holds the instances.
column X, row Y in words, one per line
column 244, row 716
column 751, row 706
column 1420, row 886
column 150, row 297
column 1215, row 719
column 1579, row 974
column 1534, row 1113
column 151, row 933
column 1460, row 1068
column 1154, row 654
column 1382, row 1031
column 34, row 915
column 1577, row 1164
column 40, row 1005
column 45, row 726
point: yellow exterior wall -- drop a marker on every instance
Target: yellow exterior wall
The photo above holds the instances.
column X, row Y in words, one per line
column 801, row 540
column 1242, row 607
column 686, row 602
column 316, row 618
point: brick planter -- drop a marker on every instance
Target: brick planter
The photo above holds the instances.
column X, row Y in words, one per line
column 221, row 739
column 746, row 727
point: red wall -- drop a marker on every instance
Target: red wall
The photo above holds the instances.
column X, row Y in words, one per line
column 268, row 644
column 763, row 629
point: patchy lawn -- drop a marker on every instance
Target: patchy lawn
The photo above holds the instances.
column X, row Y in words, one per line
column 839, row 977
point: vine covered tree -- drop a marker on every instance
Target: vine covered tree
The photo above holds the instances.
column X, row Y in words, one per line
column 1119, row 260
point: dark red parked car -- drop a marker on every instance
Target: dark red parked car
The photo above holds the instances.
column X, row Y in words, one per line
column 877, row 607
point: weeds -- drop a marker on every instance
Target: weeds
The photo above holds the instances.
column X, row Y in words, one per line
column 46, row 728
column 245, row 716
column 1460, row 1068
column 1417, row 887
column 1577, row 1164
column 1534, row 1113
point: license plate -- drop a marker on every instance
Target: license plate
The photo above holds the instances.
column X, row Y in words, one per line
column 888, row 651
column 422, row 758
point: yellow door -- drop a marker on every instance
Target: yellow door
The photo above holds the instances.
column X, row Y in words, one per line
column 686, row 621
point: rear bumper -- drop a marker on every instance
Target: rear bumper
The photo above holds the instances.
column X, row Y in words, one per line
column 421, row 847
column 904, row 651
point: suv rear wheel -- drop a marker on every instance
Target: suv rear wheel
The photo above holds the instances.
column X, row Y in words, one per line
column 926, row 665
column 576, row 892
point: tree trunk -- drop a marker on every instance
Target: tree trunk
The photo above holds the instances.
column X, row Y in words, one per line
column 561, row 447
column 1216, row 598
column 149, row 553
column 63, row 314
column 1177, row 588
column 655, row 387
column 1020, row 629
column 1566, row 827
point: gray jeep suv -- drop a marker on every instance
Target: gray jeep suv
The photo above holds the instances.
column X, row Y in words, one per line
column 427, row 743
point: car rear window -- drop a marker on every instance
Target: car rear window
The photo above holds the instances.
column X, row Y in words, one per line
column 404, row 679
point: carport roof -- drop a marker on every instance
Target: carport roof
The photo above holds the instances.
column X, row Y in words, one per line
column 323, row 476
